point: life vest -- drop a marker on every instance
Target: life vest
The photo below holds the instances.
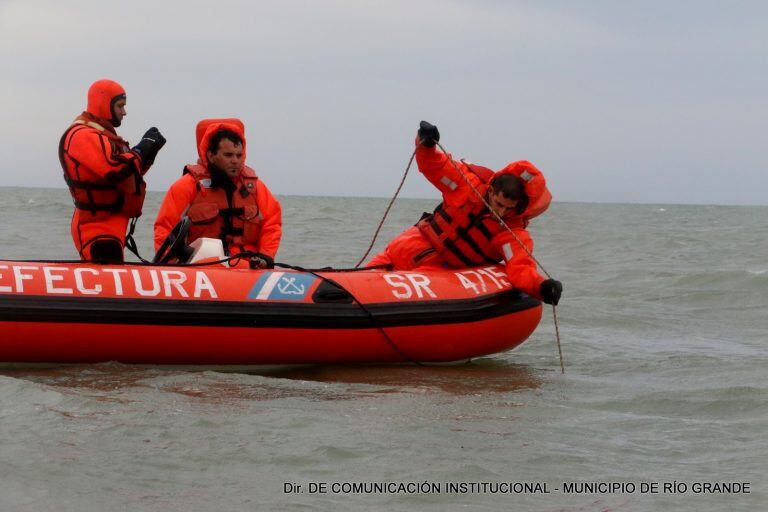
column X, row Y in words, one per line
column 462, row 234
column 91, row 191
column 234, row 219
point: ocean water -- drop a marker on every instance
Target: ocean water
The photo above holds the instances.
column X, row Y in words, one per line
column 663, row 406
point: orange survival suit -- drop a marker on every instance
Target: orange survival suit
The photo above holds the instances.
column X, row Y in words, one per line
column 247, row 218
column 462, row 232
column 105, row 177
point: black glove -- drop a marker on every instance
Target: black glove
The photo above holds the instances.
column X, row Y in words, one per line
column 428, row 134
column 551, row 289
column 149, row 145
column 260, row 260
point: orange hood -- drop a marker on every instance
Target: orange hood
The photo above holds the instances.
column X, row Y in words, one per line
column 535, row 186
column 207, row 127
column 102, row 96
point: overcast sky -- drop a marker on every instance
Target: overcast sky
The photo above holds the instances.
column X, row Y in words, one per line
column 647, row 101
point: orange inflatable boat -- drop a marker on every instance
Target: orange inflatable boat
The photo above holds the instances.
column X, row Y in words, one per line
column 215, row 315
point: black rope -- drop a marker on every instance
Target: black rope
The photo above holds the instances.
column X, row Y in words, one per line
column 236, row 257
column 130, row 242
column 365, row 310
column 385, row 266
column 386, row 212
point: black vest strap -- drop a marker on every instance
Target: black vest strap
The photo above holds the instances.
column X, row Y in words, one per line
column 451, row 246
column 87, row 185
column 99, row 207
column 231, row 231
column 231, row 211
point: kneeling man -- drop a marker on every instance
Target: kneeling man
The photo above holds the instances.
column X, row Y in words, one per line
column 462, row 231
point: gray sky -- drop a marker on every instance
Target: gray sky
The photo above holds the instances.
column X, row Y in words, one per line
column 652, row 101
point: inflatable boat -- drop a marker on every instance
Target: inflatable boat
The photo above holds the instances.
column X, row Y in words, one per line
column 76, row 312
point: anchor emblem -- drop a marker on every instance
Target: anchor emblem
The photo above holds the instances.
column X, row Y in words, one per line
column 288, row 286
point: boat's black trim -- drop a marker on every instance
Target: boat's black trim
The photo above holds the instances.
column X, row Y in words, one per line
column 28, row 308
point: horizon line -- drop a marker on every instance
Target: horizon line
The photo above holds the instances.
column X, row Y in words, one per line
column 570, row 201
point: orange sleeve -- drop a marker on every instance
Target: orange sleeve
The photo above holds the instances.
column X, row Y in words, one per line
column 521, row 267
column 440, row 169
column 97, row 153
column 176, row 200
column 272, row 228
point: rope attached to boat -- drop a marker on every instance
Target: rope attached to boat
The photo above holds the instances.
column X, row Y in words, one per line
column 365, row 310
column 235, row 258
column 130, row 242
column 386, row 212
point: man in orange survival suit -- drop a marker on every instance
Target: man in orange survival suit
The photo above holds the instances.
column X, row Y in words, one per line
column 104, row 175
column 223, row 197
column 462, row 232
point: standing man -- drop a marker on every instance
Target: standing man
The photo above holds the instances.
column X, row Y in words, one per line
column 223, row 197
column 463, row 232
column 105, row 176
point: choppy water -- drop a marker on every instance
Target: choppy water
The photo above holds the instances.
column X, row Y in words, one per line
column 664, row 330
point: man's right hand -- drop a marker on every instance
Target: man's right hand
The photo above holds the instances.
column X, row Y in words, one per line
column 428, row 134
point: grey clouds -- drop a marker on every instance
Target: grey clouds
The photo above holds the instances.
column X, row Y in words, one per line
column 654, row 102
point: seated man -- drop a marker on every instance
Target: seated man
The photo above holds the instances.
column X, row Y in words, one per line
column 462, row 232
column 223, row 197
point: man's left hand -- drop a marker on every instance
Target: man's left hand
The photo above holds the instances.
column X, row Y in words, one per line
column 550, row 290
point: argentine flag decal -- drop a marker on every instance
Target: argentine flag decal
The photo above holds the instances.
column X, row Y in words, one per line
column 282, row 286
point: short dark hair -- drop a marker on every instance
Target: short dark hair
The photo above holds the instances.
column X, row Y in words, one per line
column 213, row 144
column 511, row 187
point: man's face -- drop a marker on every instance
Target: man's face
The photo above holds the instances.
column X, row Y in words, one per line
column 228, row 158
column 119, row 111
column 500, row 204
